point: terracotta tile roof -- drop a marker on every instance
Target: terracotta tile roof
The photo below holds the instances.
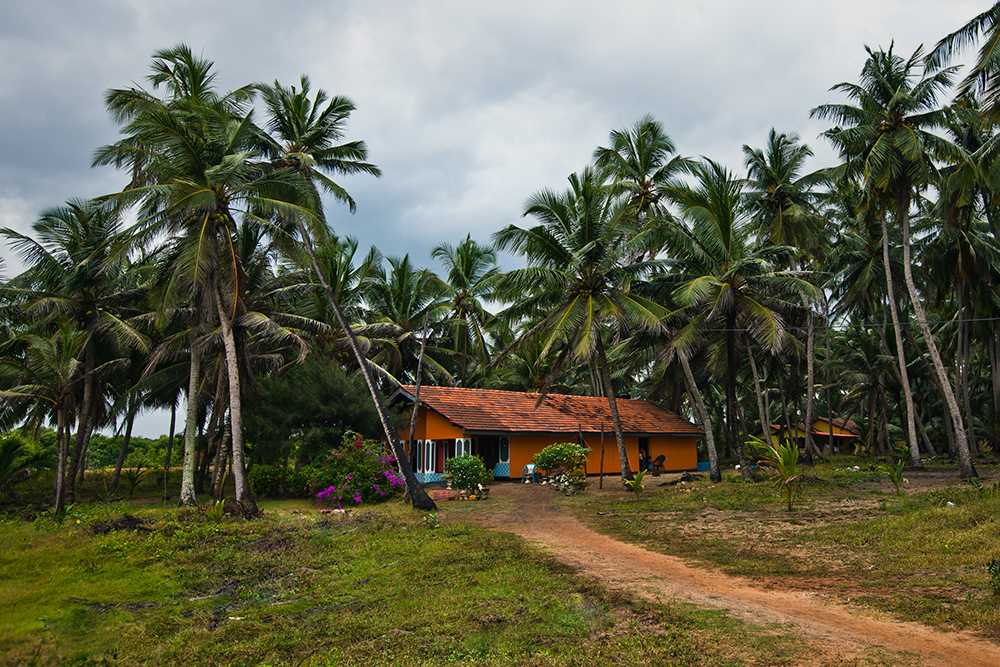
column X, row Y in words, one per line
column 848, row 425
column 484, row 410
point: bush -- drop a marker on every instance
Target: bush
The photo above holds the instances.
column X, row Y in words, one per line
column 466, row 472
column 565, row 456
column 359, row 471
column 267, row 481
column 565, row 464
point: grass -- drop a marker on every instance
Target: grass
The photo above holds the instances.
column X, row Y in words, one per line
column 376, row 587
column 382, row 586
column 916, row 555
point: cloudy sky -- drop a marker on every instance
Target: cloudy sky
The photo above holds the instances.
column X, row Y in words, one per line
column 467, row 106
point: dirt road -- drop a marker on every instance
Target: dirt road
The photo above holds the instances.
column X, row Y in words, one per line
column 836, row 631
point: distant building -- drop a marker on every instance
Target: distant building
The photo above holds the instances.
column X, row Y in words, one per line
column 845, row 433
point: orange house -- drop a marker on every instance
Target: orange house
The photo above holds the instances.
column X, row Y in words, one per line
column 508, row 428
column 845, row 433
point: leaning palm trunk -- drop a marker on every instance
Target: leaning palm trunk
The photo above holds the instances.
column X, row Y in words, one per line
column 602, row 360
column 84, row 423
column 244, row 496
column 911, row 431
column 706, row 423
column 190, row 431
column 418, row 497
column 411, row 441
column 966, row 468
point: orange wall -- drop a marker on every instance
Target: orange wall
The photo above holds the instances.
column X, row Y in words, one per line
column 681, row 451
column 431, row 426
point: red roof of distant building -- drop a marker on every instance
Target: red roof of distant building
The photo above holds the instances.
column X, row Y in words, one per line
column 848, row 425
column 486, row 410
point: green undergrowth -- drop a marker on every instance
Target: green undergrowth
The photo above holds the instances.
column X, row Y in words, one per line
column 921, row 556
column 141, row 586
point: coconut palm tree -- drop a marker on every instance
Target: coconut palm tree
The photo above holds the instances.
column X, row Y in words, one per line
column 639, row 164
column 45, row 378
column 887, row 138
column 580, row 275
column 73, row 274
column 196, row 169
column 982, row 80
column 783, row 204
column 305, row 138
column 725, row 284
column 398, row 301
column 472, row 268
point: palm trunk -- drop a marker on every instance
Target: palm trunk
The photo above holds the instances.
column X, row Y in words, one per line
column 609, row 392
column 966, row 468
column 123, row 452
column 702, row 413
column 810, row 376
column 965, row 370
column 732, row 426
column 994, row 343
column 188, row 498
column 829, row 391
column 911, row 430
column 213, row 434
column 414, row 490
column 244, row 496
column 219, row 469
column 411, row 442
column 62, row 445
column 84, row 421
column 765, row 421
column 170, row 448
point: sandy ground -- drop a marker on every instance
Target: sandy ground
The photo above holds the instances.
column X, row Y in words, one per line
column 836, row 631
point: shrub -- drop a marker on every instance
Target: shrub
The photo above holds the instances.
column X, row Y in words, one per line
column 265, row 480
column 784, row 459
column 269, row 481
column 466, row 472
column 565, row 464
column 359, row 471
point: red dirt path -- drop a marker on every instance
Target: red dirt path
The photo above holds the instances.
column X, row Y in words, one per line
column 838, row 632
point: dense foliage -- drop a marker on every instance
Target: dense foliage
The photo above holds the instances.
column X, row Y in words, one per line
column 359, row 471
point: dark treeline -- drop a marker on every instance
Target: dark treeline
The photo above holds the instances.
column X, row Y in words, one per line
column 740, row 296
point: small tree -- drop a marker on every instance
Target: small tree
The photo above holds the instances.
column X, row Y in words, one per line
column 635, row 485
column 466, row 472
column 784, row 459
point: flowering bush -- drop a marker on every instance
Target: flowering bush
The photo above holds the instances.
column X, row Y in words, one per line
column 565, row 464
column 359, row 471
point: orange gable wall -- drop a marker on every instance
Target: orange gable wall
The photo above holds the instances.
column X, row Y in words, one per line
column 431, row 426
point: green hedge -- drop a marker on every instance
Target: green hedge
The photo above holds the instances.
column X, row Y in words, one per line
column 267, row 481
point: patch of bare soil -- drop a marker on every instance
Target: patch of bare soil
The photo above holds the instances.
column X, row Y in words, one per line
column 838, row 632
